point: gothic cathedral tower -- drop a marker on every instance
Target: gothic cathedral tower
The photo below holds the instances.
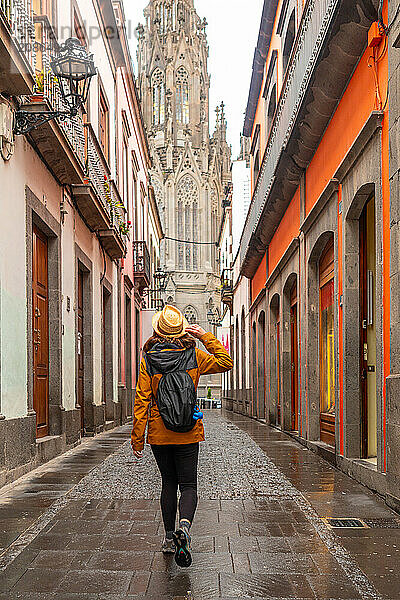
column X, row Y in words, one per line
column 190, row 169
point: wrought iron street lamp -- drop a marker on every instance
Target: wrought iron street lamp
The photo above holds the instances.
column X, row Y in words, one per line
column 161, row 277
column 73, row 69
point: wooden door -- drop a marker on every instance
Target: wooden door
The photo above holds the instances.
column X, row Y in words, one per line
column 327, row 346
column 368, row 332
column 79, row 351
column 294, row 359
column 255, row 382
column 40, row 327
column 138, row 342
column 104, row 345
column 128, row 347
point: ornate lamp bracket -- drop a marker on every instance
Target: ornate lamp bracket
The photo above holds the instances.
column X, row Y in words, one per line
column 26, row 120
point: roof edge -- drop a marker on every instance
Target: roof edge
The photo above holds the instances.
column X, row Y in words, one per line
column 260, row 55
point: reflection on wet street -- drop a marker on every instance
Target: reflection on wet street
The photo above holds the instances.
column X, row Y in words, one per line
column 87, row 525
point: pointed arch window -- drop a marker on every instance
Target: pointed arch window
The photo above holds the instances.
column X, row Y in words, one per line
column 182, row 96
column 180, row 235
column 195, row 250
column 190, row 314
column 188, row 223
column 158, row 94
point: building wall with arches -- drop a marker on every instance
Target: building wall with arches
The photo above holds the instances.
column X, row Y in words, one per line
column 329, row 241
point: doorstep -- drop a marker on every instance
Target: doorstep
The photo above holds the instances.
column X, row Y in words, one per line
column 50, row 446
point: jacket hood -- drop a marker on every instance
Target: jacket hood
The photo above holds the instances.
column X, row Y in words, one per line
column 166, row 357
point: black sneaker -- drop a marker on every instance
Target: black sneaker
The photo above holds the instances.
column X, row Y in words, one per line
column 182, row 540
column 168, row 546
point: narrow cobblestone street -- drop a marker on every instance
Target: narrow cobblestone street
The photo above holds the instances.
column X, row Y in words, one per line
column 87, row 525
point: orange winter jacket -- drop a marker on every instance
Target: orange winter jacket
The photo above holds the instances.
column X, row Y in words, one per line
column 145, row 408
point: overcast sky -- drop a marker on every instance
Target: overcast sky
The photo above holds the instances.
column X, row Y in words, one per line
column 232, row 36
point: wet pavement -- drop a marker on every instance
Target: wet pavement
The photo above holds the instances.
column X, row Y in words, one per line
column 87, row 525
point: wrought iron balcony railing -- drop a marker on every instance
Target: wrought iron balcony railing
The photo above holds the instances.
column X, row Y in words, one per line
column 154, row 300
column 19, row 16
column 227, row 280
column 5, row 7
column 97, row 169
column 227, row 286
column 46, row 48
column 141, row 264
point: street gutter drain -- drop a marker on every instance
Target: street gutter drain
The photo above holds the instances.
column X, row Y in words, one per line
column 383, row 523
column 345, row 522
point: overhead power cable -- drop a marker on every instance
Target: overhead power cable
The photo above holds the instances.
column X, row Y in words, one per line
column 190, row 241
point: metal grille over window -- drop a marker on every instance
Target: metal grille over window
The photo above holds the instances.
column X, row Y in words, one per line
column 158, row 91
column 182, row 96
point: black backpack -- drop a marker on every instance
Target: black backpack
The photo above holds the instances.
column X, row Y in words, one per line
column 176, row 395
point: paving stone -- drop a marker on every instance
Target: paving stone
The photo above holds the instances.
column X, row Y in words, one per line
column 339, row 588
column 134, row 542
column 281, row 563
column 265, row 586
column 241, row 564
column 39, row 580
column 120, row 561
column 243, row 544
column 97, row 581
column 205, row 586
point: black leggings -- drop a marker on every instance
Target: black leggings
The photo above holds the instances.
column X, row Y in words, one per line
column 178, row 466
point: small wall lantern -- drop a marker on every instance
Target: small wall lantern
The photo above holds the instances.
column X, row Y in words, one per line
column 73, row 69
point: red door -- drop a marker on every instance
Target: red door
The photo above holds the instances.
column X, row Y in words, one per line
column 294, row 365
column 278, row 371
column 103, row 335
column 40, row 326
column 79, row 350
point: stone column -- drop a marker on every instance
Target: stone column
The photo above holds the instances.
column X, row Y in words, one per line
column 393, row 381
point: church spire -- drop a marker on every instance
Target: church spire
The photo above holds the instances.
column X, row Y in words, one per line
column 189, row 171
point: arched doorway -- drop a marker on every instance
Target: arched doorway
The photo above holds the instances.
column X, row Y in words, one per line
column 294, row 362
column 261, row 366
column 275, row 359
column 368, row 330
column 254, row 369
column 327, row 344
column 237, row 384
column 244, row 358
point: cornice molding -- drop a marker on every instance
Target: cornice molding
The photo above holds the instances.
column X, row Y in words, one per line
column 295, row 134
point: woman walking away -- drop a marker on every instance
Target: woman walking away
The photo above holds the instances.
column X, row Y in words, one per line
column 166, row 401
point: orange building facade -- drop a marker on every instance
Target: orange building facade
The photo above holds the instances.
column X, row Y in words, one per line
column 316, row 245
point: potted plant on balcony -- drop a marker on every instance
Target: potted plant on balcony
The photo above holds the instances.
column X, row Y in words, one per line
column 38, row 94
column 116, row 210
column 124, row 227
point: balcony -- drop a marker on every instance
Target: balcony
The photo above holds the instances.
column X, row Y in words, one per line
column 141, row 265
column 331, row 38
column 153, row 300
column 61, row 143
column 17, row 47
column 93, row 197
column 112, row 237
column 227, row 287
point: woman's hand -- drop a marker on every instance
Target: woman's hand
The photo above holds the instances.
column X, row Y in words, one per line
column 137, row 453
column 195, row 330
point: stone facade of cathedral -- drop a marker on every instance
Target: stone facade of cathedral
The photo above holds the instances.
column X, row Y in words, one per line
column 190, row 168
